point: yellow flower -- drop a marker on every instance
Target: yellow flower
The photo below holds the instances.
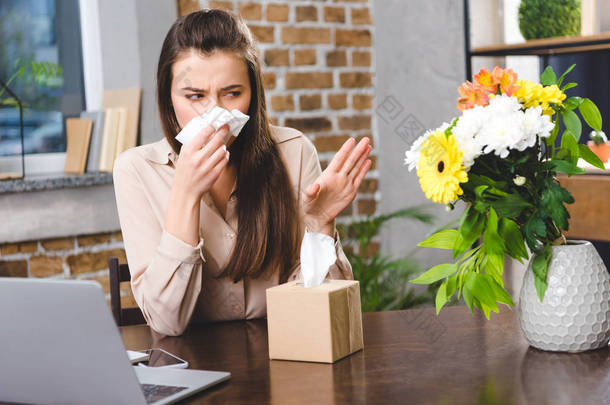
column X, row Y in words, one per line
column 440, row 168
column 532, row 94
column 552, row 94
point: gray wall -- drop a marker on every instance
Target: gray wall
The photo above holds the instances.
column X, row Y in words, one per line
column 419, row 48
column 132, row 33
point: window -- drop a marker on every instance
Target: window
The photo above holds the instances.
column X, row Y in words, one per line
column 40, row 31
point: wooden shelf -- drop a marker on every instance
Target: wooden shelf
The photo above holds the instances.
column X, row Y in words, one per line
column 548, row 46
column 590, row 213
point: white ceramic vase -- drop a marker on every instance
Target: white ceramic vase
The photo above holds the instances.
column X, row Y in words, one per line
column 575, row 313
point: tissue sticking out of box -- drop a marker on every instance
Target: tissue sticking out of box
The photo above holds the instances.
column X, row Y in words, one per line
column 217, row 117
column 317, row 255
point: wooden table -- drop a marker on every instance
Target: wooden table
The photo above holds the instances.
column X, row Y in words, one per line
column 409, row 357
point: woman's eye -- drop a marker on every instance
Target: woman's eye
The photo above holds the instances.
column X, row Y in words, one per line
column 191, row 96
column 233, row 93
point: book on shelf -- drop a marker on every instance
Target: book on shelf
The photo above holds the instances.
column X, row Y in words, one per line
column 78, row 134
column 95, row 145
column 129, row 99
column 114, row 124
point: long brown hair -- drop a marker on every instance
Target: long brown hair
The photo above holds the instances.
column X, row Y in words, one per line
column 268, row 222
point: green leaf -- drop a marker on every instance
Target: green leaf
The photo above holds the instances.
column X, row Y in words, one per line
column 568, row 70
column 541, row 287
column 466, row 289
column 471, row 226
column 444, row 239
column 548, row 77
column 485, row 308
column 469, row 219
column 499, row 292
column 482, row 291
column 441, row 297
column 552, row 201
column 570, row 145
column 510, row 232
column 479, row 190
column 436, row 273
column 534, row 228
column 590, row 113
column 572, row 103
column 540, row 266
column 572, row 123
column 587, row 154
column 566, row 167
column 493, row 263
column 510, row 205
column 568, row 86
column 451, row 285
column 491, row 240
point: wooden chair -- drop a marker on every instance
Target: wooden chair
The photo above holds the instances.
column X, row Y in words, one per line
column 123, row 316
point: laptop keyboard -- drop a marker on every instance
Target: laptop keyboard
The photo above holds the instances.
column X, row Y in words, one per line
column 154, row 392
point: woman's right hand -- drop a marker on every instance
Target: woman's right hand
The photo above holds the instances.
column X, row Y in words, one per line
column 200, row 162
column 198, row 167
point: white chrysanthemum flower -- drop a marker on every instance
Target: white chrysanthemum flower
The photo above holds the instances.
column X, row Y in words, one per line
column 501, row 132
column 535, row 124
column 466, row 133
column 412, row 155
column 499, row 128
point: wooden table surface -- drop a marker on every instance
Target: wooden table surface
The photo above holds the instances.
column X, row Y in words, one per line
column 409, row 357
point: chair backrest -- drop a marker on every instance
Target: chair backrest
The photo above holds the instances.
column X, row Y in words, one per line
column 123, row 316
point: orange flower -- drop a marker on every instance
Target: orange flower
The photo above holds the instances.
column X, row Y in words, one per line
column 471, row 94
column 507, row 80
column 487, row 80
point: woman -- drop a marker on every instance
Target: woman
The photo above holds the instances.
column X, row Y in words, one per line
column 207, row 228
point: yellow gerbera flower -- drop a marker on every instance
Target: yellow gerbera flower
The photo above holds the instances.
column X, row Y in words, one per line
column 440, row 168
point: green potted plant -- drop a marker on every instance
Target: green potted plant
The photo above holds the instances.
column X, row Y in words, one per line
column 549, row 18
column 40, row 73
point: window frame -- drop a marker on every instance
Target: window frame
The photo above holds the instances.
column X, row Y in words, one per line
column 48, row 163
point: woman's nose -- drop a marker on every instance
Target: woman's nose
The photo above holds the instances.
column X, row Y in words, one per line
column 205, row 105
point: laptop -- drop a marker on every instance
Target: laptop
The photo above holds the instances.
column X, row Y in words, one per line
column 59, row 345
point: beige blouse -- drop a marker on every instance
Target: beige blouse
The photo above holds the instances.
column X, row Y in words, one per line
column 174, row 282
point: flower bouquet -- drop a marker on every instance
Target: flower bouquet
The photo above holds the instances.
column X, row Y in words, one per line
column 501, row 157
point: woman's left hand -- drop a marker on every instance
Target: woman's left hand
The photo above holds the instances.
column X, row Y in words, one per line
column 337, row 186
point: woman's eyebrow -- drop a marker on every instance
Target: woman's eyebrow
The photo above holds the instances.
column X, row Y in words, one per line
column 233, row 86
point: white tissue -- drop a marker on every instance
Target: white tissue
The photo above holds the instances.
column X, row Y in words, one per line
column 317, row 255
column 217, row 117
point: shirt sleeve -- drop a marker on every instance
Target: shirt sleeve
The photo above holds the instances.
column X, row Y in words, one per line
column 165, row 271
column 310, row 170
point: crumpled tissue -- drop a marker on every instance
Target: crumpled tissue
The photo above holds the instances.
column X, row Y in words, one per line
column 217, row 117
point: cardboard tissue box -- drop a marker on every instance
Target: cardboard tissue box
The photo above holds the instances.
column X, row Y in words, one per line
column 321, row 324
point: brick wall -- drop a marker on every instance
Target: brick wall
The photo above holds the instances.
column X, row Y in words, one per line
column 82, row 257
column 318, row 69
column 319, row 75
